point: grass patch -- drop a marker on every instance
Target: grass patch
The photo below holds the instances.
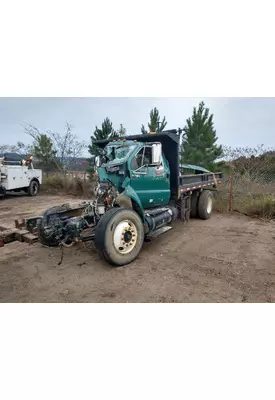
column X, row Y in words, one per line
column 261, row 207
column 221, row 199
column 61, row 184
column 220, row 205
column 253, row 204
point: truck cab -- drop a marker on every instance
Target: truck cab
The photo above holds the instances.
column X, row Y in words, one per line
column 144, row 167
column 139, row 168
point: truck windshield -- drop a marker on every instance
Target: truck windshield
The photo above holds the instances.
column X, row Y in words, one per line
column 116, row 154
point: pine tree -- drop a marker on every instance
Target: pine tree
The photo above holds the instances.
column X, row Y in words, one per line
column 199, row 140
column 122, row 131
column 154, row 125
column 43, row 150
column 106, row 131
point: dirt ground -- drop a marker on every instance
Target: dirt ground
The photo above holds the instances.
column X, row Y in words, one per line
column 229, row 258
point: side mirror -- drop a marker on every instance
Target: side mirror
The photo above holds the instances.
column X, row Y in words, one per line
column 97, row 161
column 156, row 153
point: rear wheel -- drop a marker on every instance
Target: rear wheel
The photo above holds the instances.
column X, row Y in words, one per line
column 205, row 204
column 119, row 236
column 194, row 204
column 33, row 188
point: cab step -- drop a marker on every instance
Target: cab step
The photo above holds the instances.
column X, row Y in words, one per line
column 159, row 231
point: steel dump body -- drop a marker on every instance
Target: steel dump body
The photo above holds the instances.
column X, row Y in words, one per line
column 199, row 181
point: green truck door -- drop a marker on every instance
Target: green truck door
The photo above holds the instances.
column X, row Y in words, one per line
column 151, row 183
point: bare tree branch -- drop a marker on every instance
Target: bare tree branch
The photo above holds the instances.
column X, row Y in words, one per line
column 66, row 149
column 7, row 148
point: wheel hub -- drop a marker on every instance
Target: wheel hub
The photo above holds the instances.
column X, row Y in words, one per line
column 125, row 237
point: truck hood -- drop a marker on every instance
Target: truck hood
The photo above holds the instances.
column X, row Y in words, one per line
column 112, row 173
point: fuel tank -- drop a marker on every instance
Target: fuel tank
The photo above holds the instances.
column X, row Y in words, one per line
column 158, row 217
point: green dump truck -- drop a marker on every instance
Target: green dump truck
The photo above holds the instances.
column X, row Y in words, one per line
column 140, row 192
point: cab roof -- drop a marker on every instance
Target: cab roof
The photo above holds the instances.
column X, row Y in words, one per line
column 163, row 137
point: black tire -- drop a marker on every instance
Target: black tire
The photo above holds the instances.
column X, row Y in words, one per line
column 194, row 205
column 33, row 188
column 122, row 249
column 205, row 204
column 49, row 239
column 3, row 192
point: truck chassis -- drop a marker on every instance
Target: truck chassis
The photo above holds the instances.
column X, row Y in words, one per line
column 65, row 226
column 128, row 208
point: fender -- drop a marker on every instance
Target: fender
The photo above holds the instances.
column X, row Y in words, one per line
column 124, row 199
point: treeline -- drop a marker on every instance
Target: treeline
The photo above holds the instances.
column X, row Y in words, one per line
column 199, row 140
column 199, row 144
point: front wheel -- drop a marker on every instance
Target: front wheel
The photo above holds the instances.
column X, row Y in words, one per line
column 119, row 236
column 3, row 192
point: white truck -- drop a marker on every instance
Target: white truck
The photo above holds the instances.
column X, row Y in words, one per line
column 16, row 178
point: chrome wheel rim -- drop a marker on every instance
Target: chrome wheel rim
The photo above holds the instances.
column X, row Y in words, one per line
column 125, row 237
column 209, row 205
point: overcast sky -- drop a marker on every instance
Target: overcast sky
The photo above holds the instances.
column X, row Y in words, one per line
column 238, row 121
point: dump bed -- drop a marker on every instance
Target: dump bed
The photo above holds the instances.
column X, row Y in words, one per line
column 198, row 181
